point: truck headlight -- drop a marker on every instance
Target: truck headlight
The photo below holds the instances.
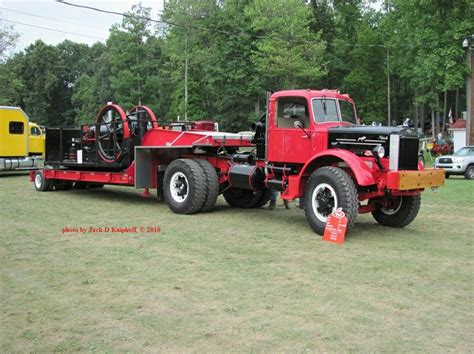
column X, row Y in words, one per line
column 457, row 159
column 379, row 151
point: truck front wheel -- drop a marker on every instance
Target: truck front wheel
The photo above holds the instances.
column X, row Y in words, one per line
column 328, row 189
column 185, row 186
column 401, row 211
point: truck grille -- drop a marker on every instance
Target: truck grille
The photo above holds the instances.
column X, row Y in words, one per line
column 445, row 160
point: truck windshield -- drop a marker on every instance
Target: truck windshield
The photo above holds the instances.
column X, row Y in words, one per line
column 465, row 151
column 347, row 112
column 325, row 110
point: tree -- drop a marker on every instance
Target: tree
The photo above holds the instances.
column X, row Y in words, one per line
column 8, row 40
column 427, row 53
column 288, row 55
column 366, row 80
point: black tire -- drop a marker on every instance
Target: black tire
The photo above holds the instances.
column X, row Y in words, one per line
column 403, row 212
column 320, row 200
column 42, row 184
column 63, row 185
column 246, row 198
column 95, row 185
column 469, row 173
column 212, row 185
column 265, row 198
column 185, row 186
column 447, row 175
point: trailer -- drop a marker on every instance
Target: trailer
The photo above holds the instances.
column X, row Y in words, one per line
column 308, row 145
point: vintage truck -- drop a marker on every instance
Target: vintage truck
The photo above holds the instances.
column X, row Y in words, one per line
column 309, row 145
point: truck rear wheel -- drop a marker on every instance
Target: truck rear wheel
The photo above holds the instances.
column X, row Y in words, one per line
column 185, row 186
column 402, row 211
column 328, row 189
column 246, row 198
column 212, row 185
column 42, row 184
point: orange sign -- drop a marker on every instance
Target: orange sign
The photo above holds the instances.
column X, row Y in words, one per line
column 336, row 226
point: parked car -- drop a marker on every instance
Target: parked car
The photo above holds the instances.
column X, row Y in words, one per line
column 459, row 163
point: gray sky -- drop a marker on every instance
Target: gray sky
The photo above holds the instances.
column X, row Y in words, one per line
column 51, row 14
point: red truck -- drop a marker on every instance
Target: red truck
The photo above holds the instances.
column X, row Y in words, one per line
column 309, row 145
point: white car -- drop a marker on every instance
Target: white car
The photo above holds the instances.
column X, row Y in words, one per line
column 459, row 163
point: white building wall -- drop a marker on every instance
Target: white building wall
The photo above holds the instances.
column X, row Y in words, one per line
column 459, row 139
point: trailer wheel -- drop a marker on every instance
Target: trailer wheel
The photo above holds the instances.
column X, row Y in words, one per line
column 245, row 198
column 42, row 184
column 185, row 186
column 212, row 185
column 402, row 211
column 328, row 189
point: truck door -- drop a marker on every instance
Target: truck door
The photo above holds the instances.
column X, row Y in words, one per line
column 287, row 142
column 36, row 141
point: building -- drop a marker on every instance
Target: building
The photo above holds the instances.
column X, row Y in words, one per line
column 458, row 132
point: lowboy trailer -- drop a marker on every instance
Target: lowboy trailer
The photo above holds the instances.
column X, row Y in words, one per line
column 309, row 145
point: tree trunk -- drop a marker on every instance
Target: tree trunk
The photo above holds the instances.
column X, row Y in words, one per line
column 416, row 112
column 437, row 115
column 422, row 117
column 445, row 109
column 433, row 124
column 456, row 105
column 416, row 118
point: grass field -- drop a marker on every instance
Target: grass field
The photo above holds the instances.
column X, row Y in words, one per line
column 229, row 280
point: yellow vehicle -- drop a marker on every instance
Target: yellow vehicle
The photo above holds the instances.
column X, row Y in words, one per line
column 36, row 140
column 22, row 144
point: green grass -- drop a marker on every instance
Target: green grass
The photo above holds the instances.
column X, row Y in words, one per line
column 230, row 280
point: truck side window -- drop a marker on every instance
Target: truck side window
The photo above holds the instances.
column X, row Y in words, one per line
column 35, row 131
column 347, row 112
column 325, row 110
column 16, row 128
column 290, row 110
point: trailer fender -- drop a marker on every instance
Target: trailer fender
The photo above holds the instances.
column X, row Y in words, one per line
column 362, row 173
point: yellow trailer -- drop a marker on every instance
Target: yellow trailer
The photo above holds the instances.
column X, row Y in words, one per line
column 22, row 143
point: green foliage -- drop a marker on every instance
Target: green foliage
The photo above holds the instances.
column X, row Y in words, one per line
column 426, row 42
column 233, row 51
column 288, row 56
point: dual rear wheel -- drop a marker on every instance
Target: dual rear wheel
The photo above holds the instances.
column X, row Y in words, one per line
column 192, row 186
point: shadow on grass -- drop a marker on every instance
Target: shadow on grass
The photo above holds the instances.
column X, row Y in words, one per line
column 280, row 217
column 13, row 174
column 111, row 194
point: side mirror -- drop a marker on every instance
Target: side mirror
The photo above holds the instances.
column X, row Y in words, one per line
column 298, row 124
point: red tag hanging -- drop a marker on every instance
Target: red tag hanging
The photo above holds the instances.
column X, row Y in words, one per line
column 336, row 226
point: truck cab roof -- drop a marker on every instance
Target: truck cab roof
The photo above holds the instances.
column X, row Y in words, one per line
column 312, row 94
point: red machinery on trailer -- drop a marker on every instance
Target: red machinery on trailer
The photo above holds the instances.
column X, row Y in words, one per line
column 308, row 145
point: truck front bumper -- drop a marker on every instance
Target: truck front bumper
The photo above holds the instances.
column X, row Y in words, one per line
column 454, row 168
column 412, row 180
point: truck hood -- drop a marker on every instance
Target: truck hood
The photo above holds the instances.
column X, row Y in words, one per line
column 359, row 130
